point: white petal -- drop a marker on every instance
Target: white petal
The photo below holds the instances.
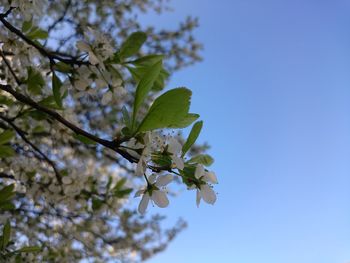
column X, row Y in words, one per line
column 144, row 203
column 140, row 167
column 106, row 98
column 198, row 198
column 164, row 180
column 81, row 84
column 210, row 177
column 67, row 180
column 199, row 171
column 152, row 178
column 174, row 146
column 160, row 198
column 208, row 194
column 93, row 59
column 81, row 45
column 179, row 162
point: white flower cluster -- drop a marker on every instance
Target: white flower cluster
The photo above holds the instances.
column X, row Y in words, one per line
column 154, row 144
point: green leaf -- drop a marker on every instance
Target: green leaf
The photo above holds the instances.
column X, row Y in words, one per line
column 6, row 206
column 192, row 137
column 49, row 102
column 186, row 121
column 27, row 25
column 96, row 203
column 162, row 160
column 123, row 193
column 167, row 110
column 6, row 136
column 146, row 61
column 132, row 44
column 37, row 33
column 204, row 159
column 6, row 234
column 120, row 184
column 56, row 86
column 144, row 86
column 7, row 192
column 30, row 249
column 63, row 67
column 6, row 151
column 34, row 81
column 126, row 117
column 84, row 139
column 18, row 259
column 139, row 72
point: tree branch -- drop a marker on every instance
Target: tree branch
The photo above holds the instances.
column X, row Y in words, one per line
column 50, row 55
column 21, row 133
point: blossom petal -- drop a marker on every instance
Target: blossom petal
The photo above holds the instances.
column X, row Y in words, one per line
column 140, row 167
column 143, row 204
column 93, row 58
column 198, row 198
column 174, row 146
column 179, row 162
column 152, row 178
column 160, row 198
column 208, row 194
column 199, row 171
column 164, row 180
column 210, row 177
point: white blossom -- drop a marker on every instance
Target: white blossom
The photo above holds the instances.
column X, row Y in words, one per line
column 204, row 190
column 153, row 192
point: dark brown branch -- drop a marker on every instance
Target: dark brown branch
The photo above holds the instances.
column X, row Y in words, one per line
column 22, row 134
column 26, row 100
column 50, row 55
column 9, row 67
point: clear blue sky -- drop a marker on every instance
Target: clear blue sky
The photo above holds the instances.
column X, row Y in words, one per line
column 274, row 92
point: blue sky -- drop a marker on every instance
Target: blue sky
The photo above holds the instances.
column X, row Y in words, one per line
column 274, row 93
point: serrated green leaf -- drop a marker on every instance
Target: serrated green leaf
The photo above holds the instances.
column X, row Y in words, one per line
column 204, row 159
column 6, row 151
column 6, row 136
column 144, row 86
column 56, row 87
column 84, row 139
column 132, row 44
column 186, row 121
column 167, row 110
column 192, row 137
column 29, row 249
column 6, row 234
